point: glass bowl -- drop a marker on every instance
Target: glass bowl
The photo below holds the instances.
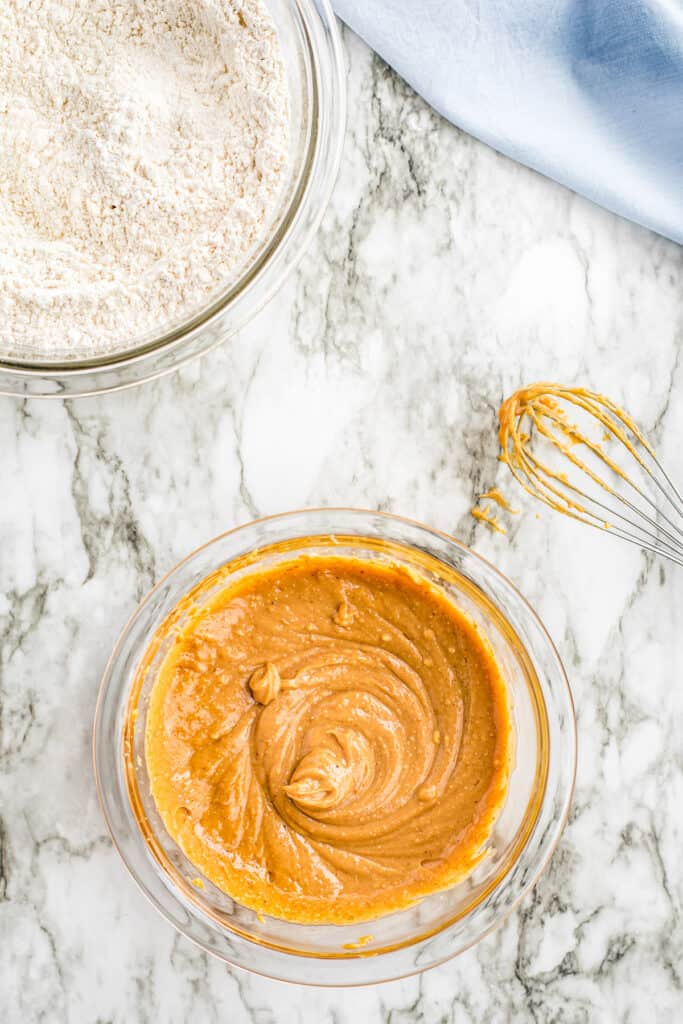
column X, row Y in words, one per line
column 439, row 926
column 314, row 64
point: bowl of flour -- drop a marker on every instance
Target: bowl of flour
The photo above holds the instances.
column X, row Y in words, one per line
column 163, row 166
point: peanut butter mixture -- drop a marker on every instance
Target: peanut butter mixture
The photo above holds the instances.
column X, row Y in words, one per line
column 329, row 740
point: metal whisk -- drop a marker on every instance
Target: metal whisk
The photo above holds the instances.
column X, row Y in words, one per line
column 584, row 456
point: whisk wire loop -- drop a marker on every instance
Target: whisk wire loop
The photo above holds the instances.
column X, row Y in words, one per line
column 647, row 511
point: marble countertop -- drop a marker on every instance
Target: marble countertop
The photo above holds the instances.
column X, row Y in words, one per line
column 443, row 277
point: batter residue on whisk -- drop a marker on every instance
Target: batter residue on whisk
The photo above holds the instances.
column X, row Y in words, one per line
column 329, row 740
column 545, row 410
column 142, row 151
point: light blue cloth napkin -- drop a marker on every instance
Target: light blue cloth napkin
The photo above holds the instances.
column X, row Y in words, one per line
column 589, row 92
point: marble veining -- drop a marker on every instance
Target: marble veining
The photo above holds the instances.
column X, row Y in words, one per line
column 443, row 277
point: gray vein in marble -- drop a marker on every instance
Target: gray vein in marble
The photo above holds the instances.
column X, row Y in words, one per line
column 117, row 527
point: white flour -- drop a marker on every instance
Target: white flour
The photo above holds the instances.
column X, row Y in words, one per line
column 142, row 147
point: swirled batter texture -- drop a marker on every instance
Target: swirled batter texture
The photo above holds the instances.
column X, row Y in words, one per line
column 329, row 741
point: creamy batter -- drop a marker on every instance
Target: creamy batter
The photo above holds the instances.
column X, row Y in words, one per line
column 329, row 740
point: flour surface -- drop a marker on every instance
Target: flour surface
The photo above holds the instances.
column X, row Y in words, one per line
column 143, row 145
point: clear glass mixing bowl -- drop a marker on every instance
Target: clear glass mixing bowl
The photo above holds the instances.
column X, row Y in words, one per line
column 314, row 62
column 441, row 925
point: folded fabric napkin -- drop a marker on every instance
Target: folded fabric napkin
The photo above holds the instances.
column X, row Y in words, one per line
column 589, row 92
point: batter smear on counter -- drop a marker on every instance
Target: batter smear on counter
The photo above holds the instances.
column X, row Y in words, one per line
column 142, row 153
column 329, row 740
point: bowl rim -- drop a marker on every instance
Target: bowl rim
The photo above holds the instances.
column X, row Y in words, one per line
column 260, row 279
column 558, row 826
